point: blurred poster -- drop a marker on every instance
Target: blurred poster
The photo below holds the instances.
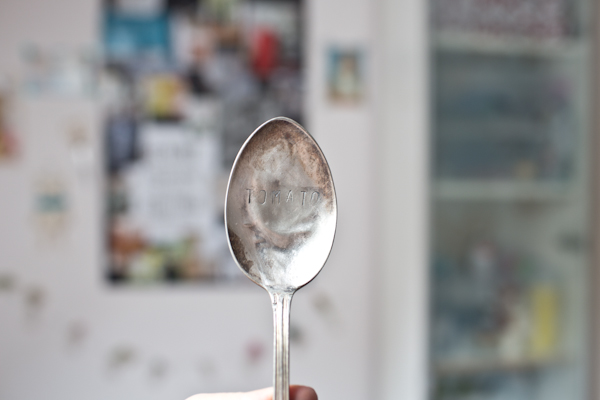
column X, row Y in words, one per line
column 184, row 84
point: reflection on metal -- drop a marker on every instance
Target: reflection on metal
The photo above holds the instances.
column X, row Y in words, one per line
column 280, row 217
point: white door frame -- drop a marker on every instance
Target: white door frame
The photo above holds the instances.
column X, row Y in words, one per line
column 403, row 186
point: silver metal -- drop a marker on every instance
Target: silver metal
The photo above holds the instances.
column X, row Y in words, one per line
column 280, row 218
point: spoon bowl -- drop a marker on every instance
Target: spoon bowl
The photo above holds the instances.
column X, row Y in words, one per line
column 281, row 209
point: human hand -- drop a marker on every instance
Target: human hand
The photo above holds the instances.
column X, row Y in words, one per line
column 296, row 393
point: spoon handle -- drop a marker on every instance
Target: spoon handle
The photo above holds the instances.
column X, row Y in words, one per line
column 281, row 351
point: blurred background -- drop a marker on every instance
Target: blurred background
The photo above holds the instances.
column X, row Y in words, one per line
column 461, row 138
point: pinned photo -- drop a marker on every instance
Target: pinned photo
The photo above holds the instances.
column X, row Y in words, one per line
column 345, row 76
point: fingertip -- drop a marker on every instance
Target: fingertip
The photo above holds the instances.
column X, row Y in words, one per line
column 303, row 393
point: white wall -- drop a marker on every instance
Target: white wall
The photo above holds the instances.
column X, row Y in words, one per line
column 199, row 332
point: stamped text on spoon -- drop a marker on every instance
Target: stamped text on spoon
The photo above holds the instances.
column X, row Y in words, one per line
column 283, row 196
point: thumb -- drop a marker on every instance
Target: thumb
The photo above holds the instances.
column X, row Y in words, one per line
column 262, row 394
column 296, row 393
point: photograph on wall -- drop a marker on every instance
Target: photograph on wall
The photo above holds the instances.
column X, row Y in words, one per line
column 345, row 80
column 184, row 83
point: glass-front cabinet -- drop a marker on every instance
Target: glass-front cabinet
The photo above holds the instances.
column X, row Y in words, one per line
column 510, row 199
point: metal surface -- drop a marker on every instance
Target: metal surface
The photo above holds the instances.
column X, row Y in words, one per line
column 280, row 217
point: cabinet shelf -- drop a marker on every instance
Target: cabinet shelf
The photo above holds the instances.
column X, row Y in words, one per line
column 505, row 45
column 475, row 366
column 475, row 190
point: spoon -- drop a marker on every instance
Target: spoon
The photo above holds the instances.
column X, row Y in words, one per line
column 280, row 218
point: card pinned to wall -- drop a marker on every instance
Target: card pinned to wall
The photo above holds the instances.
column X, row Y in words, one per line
column 345, row 75
column 81, row 150
column 58, row 72
column 9, row 144
column 51, row 206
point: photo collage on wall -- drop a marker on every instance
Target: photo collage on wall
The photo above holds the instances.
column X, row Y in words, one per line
column 185, row 83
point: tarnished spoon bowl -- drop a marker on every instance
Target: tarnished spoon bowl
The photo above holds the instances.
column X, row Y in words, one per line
column 280, row 217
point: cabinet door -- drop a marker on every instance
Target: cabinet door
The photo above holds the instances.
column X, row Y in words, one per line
column 510, row 152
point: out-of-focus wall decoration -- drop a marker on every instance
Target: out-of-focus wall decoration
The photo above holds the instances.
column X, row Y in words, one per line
column 81, row 151
column 7, row 282
column 8, row 139
column 122, row 356
column 35, row 299
column 51, row 206
column 159, row 367
column 58, row 71
column 345, row 80
column 77, row 332
column 184, row 84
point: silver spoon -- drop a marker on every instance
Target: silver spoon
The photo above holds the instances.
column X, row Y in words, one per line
column 280, row 218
